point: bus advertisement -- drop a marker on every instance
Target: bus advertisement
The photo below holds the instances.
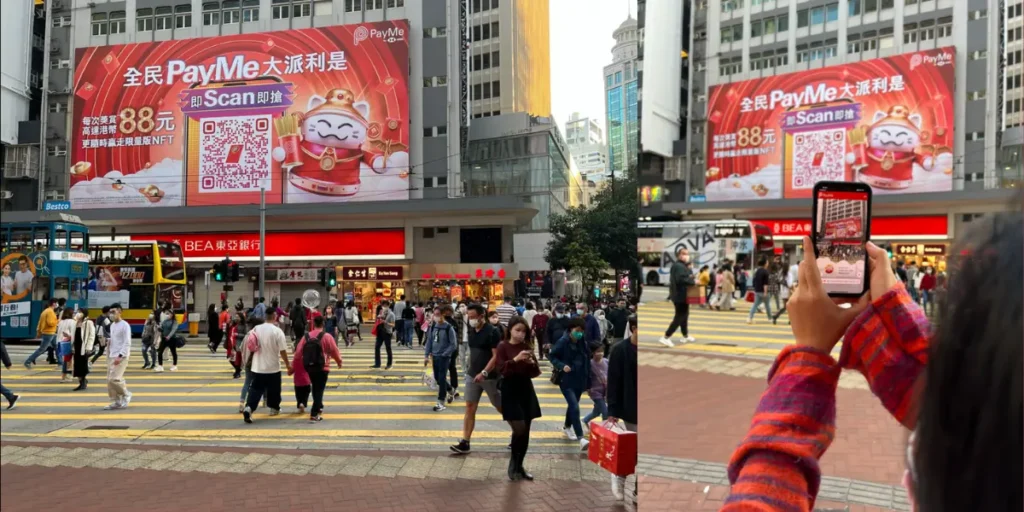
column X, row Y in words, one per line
column 141, row 275
column 709, row 242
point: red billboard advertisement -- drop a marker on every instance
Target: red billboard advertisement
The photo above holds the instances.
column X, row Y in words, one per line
column 887, row 122
column 311, row 116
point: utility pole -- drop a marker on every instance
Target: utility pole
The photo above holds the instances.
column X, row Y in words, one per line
column 263, row 238
column 44, row 108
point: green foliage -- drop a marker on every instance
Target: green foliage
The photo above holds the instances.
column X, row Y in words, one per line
column 586, row 263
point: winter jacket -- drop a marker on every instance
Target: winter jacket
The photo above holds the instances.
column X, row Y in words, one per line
column 446, row 343
column 680, row 278
column 621, row 392
column 575, row 355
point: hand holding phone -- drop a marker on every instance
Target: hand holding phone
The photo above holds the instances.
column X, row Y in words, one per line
column 817, row 320
column 842, row 226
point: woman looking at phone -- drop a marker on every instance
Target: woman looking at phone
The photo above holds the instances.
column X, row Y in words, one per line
column 959, row 388
column 517, row 365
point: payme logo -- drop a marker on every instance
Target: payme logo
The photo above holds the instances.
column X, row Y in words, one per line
column 389, row 35
column 942, row 59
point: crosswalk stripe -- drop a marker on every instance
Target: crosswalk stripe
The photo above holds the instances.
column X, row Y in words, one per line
column 262, row 434
column 229, row 404
column 235, row 417
column 376, row 440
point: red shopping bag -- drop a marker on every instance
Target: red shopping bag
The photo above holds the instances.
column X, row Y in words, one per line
column 749, row 297
column 373, row 332
column 613, row 448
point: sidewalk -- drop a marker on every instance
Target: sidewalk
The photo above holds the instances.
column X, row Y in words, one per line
column 97, row 477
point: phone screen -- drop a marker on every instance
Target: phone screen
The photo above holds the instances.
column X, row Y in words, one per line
column 841, row 230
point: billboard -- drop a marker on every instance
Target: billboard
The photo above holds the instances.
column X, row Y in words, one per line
column 887, row 122
column 314, row 115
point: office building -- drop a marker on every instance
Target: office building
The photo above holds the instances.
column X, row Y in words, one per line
column 621, row 97
column 584, row 137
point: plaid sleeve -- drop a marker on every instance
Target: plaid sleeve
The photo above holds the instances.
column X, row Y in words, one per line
column 776, row 465
column 888, row 343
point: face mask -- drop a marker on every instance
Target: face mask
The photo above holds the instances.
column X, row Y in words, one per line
column 579, row 312
column 473, row 322
column 577, row 335
column 559, row 315
column 518, row 335
column 686, row 259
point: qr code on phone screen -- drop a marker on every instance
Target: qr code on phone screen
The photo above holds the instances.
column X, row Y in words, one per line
column 818, row 156
column 234, row 154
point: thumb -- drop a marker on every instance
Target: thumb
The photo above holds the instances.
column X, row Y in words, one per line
column 856, row 308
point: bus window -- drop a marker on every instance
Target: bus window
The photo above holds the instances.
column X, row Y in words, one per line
column 61, row 288
column 650, row 259
column 77, row 290
column 40, row 287
column 173, row 294
column 60, row 239
column 140, row 296
column 172, row 265
column 42, row 239
column 21, row 240
column 77, row 241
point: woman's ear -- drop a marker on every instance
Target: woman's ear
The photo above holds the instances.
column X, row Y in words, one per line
column 908, row 484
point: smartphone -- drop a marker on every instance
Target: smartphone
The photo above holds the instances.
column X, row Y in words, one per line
column 842, row 226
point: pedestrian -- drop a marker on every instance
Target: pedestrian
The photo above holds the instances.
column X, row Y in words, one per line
column 680, row 280
column 408, row 316
column 556, row 327
column 704, row 279
column 741, row 280
column 238, row 328
column 65, row 335
column 312, row 365
column 494, row 319
column 457, row 359
column 506, row 311
column 86, row 334
column 417, row 322
column 528, row 314
column 149, row 334
column 442, row 343
column 901, row 273
column 540, row 328
column 385, row 328
column 618, row 317
column 912, row 280
column 213, row 329
column 117, row 360
column 12, row 398
column 621, row 392
column 953, row 384
column 598, row 384
column 268, row 346
column 483, row 353
column 46, row 329
column 606, row 328
column 168, row 339
column 776, row 278
column 298, row 320
column 727, row 282
column 243, row 357
column 353, row 318
column 571, row 359
column 103, row 334
column 761, row 278
column 927, row 288
column 792, row 279
column 260, row 309
column 517, row 365
column 330, row 323
column 399, row 311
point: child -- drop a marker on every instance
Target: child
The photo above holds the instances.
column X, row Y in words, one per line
column 598, row 383
column 236, row 331
column 148, row 337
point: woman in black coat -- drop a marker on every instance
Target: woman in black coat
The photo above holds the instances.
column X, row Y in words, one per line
column 213, row 328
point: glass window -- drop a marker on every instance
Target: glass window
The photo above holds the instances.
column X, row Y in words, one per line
column 60, row 239
column 486, row 60
column 395, row 3
column 495, row 89
column 41, row 239
column 477, row 63
column 485, row 31
column 783, row 22
column 870, row 5
column 832, row 12
column 476, row 32
column 143, row 20
column 61, row 288
column 494, row 59
column 801, row 18
column 477, row 91
column 755, row 28
column 769, row 27
column 250, row 10
column 353, row 5
column 854, row 7
column 99, row 24
column 608, row 81
column 618, row 77
column 305, row 9
column 166, row 19
column 487, row 90
column 211, row 14
column 817, row 15
column 231, row 14
column 77, row 241
column 887, row 4
column 494, row 29
column 280, row 10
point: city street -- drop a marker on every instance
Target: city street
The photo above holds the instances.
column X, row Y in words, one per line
column 380, row 443
column 698, row 400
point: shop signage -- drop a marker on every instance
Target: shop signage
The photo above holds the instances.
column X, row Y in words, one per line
column 292, row 275
column 920, row 250
column 919, row 225
column 464, row 272
column 298, row 244
column 387, row 273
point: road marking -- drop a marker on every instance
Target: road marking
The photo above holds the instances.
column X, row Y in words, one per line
column 117, row 416
column 229, row 405
column 290, row 434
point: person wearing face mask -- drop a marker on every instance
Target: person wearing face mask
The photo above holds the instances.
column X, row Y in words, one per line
column 571, row 358
column 680, row 280
column 441, row 346
column 539, row 323
column 85, row 337
column 483, row 348
column 618, row 317
column 557, row 326
column 453, row 362
column 517, row 365
column 927, row 288
column 494, row 318
column 621, row 393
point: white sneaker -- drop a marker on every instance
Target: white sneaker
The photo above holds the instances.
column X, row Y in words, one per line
column 617, row 487
column 750, row 321
column 667, row 342
column 158, row 369
column 274, row 412
column 114, row 406
column 583, row 444
column 690, row 339
column 127, row 399
column 570, row 434
column 174, row 368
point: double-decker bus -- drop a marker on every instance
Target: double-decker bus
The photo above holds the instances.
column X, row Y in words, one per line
column 141, row 275
column 44, row 259
column 709, row 242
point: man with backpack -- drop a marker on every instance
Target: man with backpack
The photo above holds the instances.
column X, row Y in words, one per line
column 311, row 358
column 269, row 348
column 441, row 345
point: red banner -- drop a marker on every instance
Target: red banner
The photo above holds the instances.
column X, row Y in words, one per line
column 312, row 115
column 925, row 225
column 887, row 122
column 381, row 242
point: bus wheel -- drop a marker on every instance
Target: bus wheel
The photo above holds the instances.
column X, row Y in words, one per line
column 652, row 279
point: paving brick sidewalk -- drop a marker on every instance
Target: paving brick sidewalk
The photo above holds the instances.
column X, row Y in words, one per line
column 198, row 481
column 702, row 416
column 659, row 494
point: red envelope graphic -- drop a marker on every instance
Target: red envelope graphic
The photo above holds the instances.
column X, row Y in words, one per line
column 715, row 116
column 234, row 154
column 818, row 157
column 111, row 63
column 86, row 91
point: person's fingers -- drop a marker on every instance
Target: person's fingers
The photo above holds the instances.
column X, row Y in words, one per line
column 809, row 266
column 856, row 308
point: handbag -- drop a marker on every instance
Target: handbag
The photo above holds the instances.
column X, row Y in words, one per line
column 428, row 380
column 613, row 448
column 556, row 376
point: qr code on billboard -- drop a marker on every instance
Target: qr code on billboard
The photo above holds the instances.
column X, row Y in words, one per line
column 234, row 153
column 818, row 156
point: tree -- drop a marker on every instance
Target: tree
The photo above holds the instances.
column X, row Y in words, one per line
column 586, row 263
column 565, row 228
column 611, row 221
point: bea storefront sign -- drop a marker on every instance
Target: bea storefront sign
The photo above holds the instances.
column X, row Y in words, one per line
column 389, row 243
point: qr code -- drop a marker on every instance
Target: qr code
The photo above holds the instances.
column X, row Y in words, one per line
column 818, row 156
column 235, row 154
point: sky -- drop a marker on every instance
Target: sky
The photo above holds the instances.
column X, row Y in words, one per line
column 581, row 46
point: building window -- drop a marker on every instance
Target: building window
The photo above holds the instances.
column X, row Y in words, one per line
column 397, row 3
column 910, row 33
column 250, row 11
column 304, row 9
column 487, row 90
column 494, row 29
column 832, row 12
column 783, row 22
column 495, row 89
column 477, row 91
column 211, row 14
column 756, row 28
column 887, row 4
column 117, row 22
column 144, row 20
column 374, row 4
column 280, row 10
column 486, row 59
column 477, row 63
column 801, row 18
column 182, row 16
column 870, row 6
column 61, row 21
column 945, row 26
column 494, row 59
column 976, row 95
column 768, row 27
column 817, row 15
column 353, row 5
column 476, row 5
column 977, row 15
column 854, row 6
column 99, row 24
column 732, row 33
column 731, row 5
column 618, row 77
column 58, row 106
column 232, row 14
column 476, row 32
column 608, row 81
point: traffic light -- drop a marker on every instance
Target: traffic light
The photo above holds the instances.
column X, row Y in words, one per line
column 321, row 276
column 233, row 270
column 332, row 278
column 219, row 272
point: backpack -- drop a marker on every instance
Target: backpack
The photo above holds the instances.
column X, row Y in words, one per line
column 313, row 354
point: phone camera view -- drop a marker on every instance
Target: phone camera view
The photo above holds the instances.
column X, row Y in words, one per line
column 840, row 235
